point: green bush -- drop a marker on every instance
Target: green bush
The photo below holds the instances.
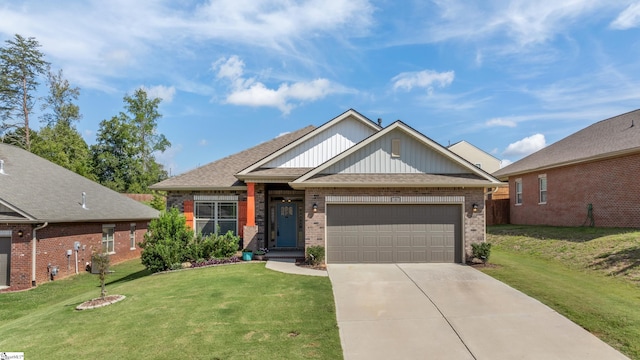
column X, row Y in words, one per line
column 166, row 241
column 212, row 246
column 481, row 251
column 223, row 246
column 315, row 254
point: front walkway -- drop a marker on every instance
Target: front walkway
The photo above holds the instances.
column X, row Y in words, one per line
column 449, row 311
column 289, row 266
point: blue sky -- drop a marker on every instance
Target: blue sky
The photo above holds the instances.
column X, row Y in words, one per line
column 507, row 76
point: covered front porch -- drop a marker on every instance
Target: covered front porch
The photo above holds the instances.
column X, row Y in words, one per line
column 275, row 216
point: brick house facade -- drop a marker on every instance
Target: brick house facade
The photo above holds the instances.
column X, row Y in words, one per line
column 45, row 210
column 608, row 187
column 588, row 178
column 281, row 190
column 55, row 240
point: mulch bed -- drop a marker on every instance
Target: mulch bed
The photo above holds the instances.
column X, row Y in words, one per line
column 305, row 264
column 98, row 302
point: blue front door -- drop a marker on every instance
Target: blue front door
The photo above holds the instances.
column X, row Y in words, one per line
column 287, row 214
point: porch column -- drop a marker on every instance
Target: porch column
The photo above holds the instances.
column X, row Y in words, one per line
column 251, row 204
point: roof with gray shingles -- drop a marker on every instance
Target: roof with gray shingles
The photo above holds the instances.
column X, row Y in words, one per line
column 617, row 136
column 221, row 173
column 40, row 190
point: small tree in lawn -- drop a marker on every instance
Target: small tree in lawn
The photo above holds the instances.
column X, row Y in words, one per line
column 100, row 262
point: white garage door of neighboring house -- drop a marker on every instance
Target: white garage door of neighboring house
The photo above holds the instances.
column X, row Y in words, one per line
column 373, row 233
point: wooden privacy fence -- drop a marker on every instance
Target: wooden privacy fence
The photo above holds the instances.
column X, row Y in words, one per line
column 497, row 211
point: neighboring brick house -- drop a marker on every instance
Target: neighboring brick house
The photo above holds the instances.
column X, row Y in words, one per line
column 52, row 219
column 588, row 178
column 365, row 193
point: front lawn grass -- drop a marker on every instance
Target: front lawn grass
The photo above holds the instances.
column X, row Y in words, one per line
column 578, row 272
column 242, row 311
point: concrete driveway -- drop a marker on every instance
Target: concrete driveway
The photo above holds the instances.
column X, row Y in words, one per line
column 449, row 311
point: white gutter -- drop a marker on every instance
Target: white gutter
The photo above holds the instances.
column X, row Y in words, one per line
column 33, row 252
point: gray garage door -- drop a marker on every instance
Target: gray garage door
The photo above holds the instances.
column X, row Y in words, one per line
column 5, row 260
column 367, row 233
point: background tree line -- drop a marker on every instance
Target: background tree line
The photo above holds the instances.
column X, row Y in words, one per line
column 122, row 157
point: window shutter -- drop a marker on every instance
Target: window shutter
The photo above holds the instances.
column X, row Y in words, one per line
column 242, row 217
column 188, row 213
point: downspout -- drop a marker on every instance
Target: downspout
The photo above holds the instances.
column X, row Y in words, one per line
column 33, row 252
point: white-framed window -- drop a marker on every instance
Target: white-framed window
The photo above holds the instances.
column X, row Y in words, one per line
column 108, row 238
column 212, row 216
column 542, row 189
column 132, row 236
column 518, row 194
column 395, row 148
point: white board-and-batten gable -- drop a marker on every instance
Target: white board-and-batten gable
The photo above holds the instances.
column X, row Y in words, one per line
column 397, row 149
column 324, row 143
column 410, row 157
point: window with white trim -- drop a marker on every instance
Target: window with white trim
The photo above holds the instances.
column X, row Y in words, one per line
column 132, row 236
column 395, row 148
column 518, row 195
column 216, row 216
column 108, row 238
column 542, row 189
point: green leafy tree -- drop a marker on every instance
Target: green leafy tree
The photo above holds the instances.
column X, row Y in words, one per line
column 62, row 144
column 60, row 101
column 21, row 63
column 59, row 141
column 100, row 262
column 124, row 153
column 16, row 137
column 114, row 156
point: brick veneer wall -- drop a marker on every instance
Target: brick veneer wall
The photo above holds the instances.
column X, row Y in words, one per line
column 612, row 186
column 473, row 226
column 53, row 243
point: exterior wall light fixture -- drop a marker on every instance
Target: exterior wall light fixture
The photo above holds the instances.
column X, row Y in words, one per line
column 474, row 207
column 20, row 233
column 315, row 207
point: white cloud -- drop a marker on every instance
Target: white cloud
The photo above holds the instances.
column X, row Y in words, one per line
column 526, row 146
column 505, row 163
column 506, row 27
column 231, row 68
column 422, row 79
column 96, row 42
column 250, row 92
column 501, row 122
column 160, row 91
column 203, row 142
column 627, row 19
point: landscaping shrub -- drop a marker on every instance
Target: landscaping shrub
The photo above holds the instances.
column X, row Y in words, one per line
column 481, row 251
column 212, row 246
column 166, row 241
column 224, row 246
column 315, row 254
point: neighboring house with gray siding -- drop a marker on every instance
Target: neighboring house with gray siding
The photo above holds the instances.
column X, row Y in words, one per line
column 588, row 178
column 476, row 156
column 52, row 219
column 366, row 193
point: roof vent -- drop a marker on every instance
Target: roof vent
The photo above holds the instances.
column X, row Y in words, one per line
column 2, row 168
column 380, row 122
column 84, row 200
